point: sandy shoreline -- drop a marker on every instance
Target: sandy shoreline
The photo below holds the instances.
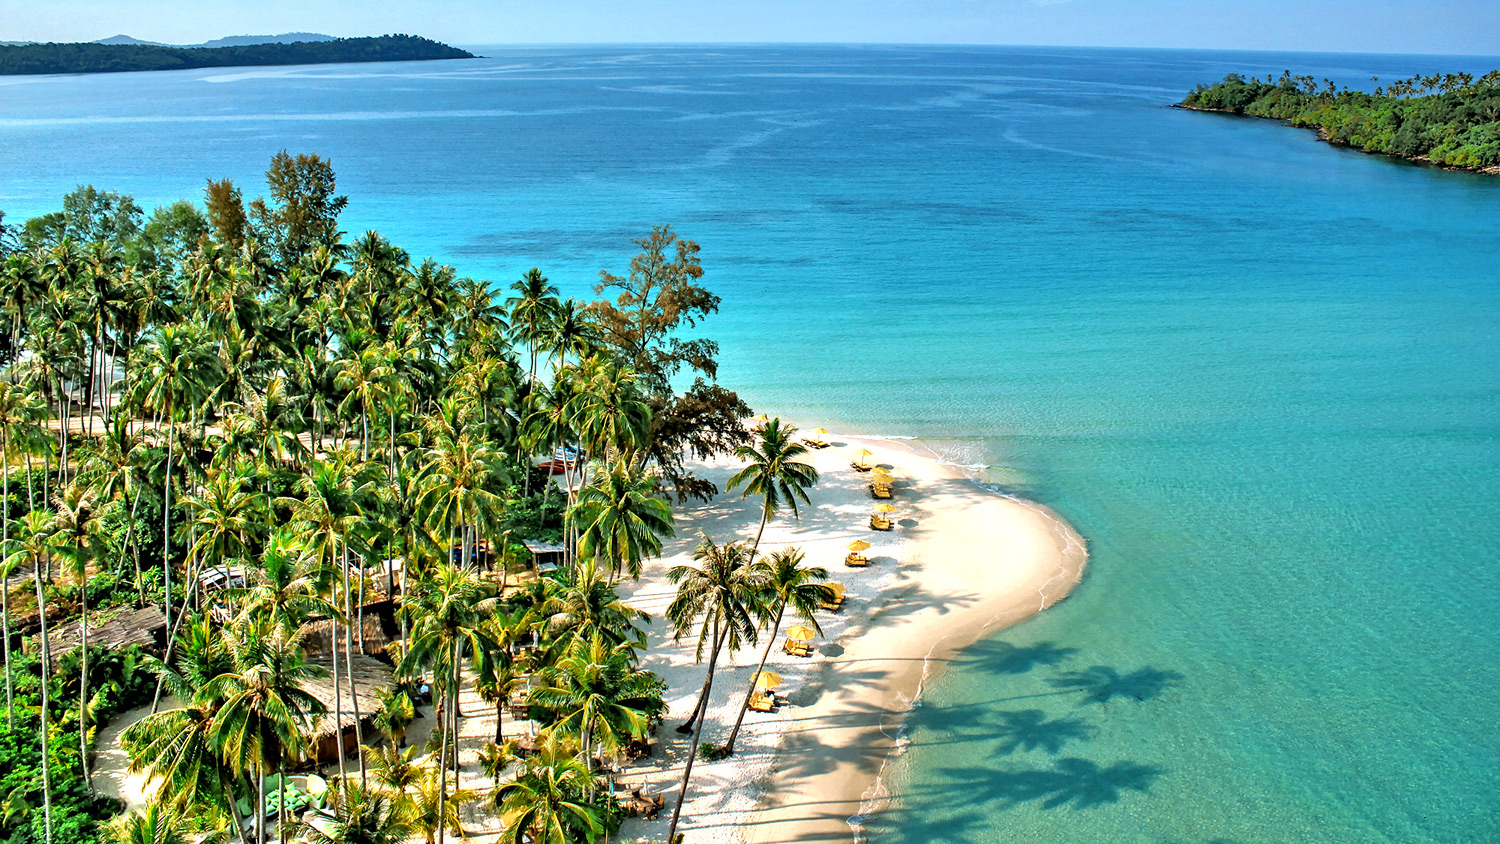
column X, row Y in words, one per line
column 963, row 561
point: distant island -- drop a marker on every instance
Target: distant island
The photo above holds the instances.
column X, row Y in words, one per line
column 1451, row 120
column 230, row 41
column 115, row 58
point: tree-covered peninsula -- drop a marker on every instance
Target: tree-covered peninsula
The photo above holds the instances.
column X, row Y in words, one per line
column 1451, row 120
column 115, row 58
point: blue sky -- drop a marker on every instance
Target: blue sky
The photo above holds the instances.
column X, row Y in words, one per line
column 1392, row 26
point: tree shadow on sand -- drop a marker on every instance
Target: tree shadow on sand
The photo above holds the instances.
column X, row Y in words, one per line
column 1101, row 684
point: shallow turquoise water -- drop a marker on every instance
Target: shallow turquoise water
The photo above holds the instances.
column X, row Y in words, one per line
column 1257, row 373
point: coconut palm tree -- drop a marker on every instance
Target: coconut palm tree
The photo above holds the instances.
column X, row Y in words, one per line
column 75, row 536
column 598, row 694
column 156, row 824
column 394, row 768
column 365, row 816
column 19, row 410
column 590, row 603
column 531, row 310
column 446, row 611
column 265, row 710
column 30, row 546
column 609, row 413
column 287, row 587
column 437, row 808
column 174, row 367
column 786, row 582
column 460, row 472
column 622, row 521
column 774, row 473
column 718, row 596
column 547, row 801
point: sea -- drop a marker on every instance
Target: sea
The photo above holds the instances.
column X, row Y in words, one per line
column 1259, row 374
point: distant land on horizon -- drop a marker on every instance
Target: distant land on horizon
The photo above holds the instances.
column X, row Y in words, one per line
column 117, row 57
column 227, row 41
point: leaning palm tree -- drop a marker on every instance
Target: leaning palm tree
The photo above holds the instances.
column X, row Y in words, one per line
column 774, row 473
column 546, row 801
column 787, row 583
column 718, row 597
column 622, row 521
column 265, row 711
column 365, row 816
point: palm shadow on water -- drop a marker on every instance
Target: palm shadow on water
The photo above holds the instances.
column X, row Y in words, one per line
column 1101, row 684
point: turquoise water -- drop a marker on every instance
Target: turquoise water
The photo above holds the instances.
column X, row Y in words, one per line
column 1257, row 373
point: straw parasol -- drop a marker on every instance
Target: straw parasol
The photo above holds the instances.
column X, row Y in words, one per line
column 767, row 679
column 880, row 473
column 800, row 632
column 820, row 431
column 884, row 509
column 836, row 588
column 761, row 417
column 863, row 453
column 859, row 545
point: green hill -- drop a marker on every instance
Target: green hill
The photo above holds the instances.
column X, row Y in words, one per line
column 1451, row 120
column 112, row 58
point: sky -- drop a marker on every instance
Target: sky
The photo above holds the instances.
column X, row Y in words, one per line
column 1469, row 27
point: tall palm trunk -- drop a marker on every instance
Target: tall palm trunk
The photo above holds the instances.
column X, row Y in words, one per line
column 703, row 696
column 41, row 608
column 687, row 770
column 166, row 522
column 260, row 803
column 764, row 655
column 443, row 766
column 338, row 703
column 10, row 696
column 83, row 678
column 359, row 733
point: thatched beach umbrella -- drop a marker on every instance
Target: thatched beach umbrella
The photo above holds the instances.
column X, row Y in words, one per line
column 885, row 509
column 767, row 679
column 859, row 545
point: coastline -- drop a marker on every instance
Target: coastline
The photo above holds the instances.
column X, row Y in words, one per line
column 962, row 562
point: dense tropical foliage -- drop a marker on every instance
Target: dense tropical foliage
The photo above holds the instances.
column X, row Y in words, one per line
column 266, row 437
column 1452, row 119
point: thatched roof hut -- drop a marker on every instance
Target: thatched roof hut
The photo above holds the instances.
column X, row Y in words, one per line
column 377, row 624
column 370, row 675
column 146, row 626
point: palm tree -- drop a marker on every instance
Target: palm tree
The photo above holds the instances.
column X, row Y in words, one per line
column 774, row 473
column 786, row 583
column 460, row 473
column 718, row 596
column 446, row 610
column 609, row 413
column 31, row 546
column 546, row 802
column 531, row 310
column 287, row 588
column 623, row 521
column 19, row 410
column 175, row 364
column 393, row 768
column 156, row 824
column 590, row 604
column 598, row 694
column 265, row 711
column 365, row 816
column 437, row 808
column 75, row 535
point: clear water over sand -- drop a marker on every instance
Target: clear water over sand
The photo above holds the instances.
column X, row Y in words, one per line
column 1257, row 373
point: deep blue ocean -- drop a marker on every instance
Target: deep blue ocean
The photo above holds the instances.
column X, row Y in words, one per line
column 1260, row 375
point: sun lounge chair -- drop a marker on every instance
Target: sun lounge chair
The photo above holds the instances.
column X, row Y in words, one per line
column 860, row 467
column 878, row 522
column 833, row 605
column 880, row 490
column 761, row 702
column 796, row 648
column 815, row 442
column 855, row 561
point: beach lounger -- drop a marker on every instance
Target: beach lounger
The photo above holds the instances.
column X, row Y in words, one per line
column 879, row 523
column 762, row 703
column 856, row 561
column 793, row 648
column 860, row 467
column 880, row 490
column 832, row 606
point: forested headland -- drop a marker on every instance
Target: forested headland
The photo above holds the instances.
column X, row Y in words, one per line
column 1451, row 120
column 116, row 58
column 354, row 446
